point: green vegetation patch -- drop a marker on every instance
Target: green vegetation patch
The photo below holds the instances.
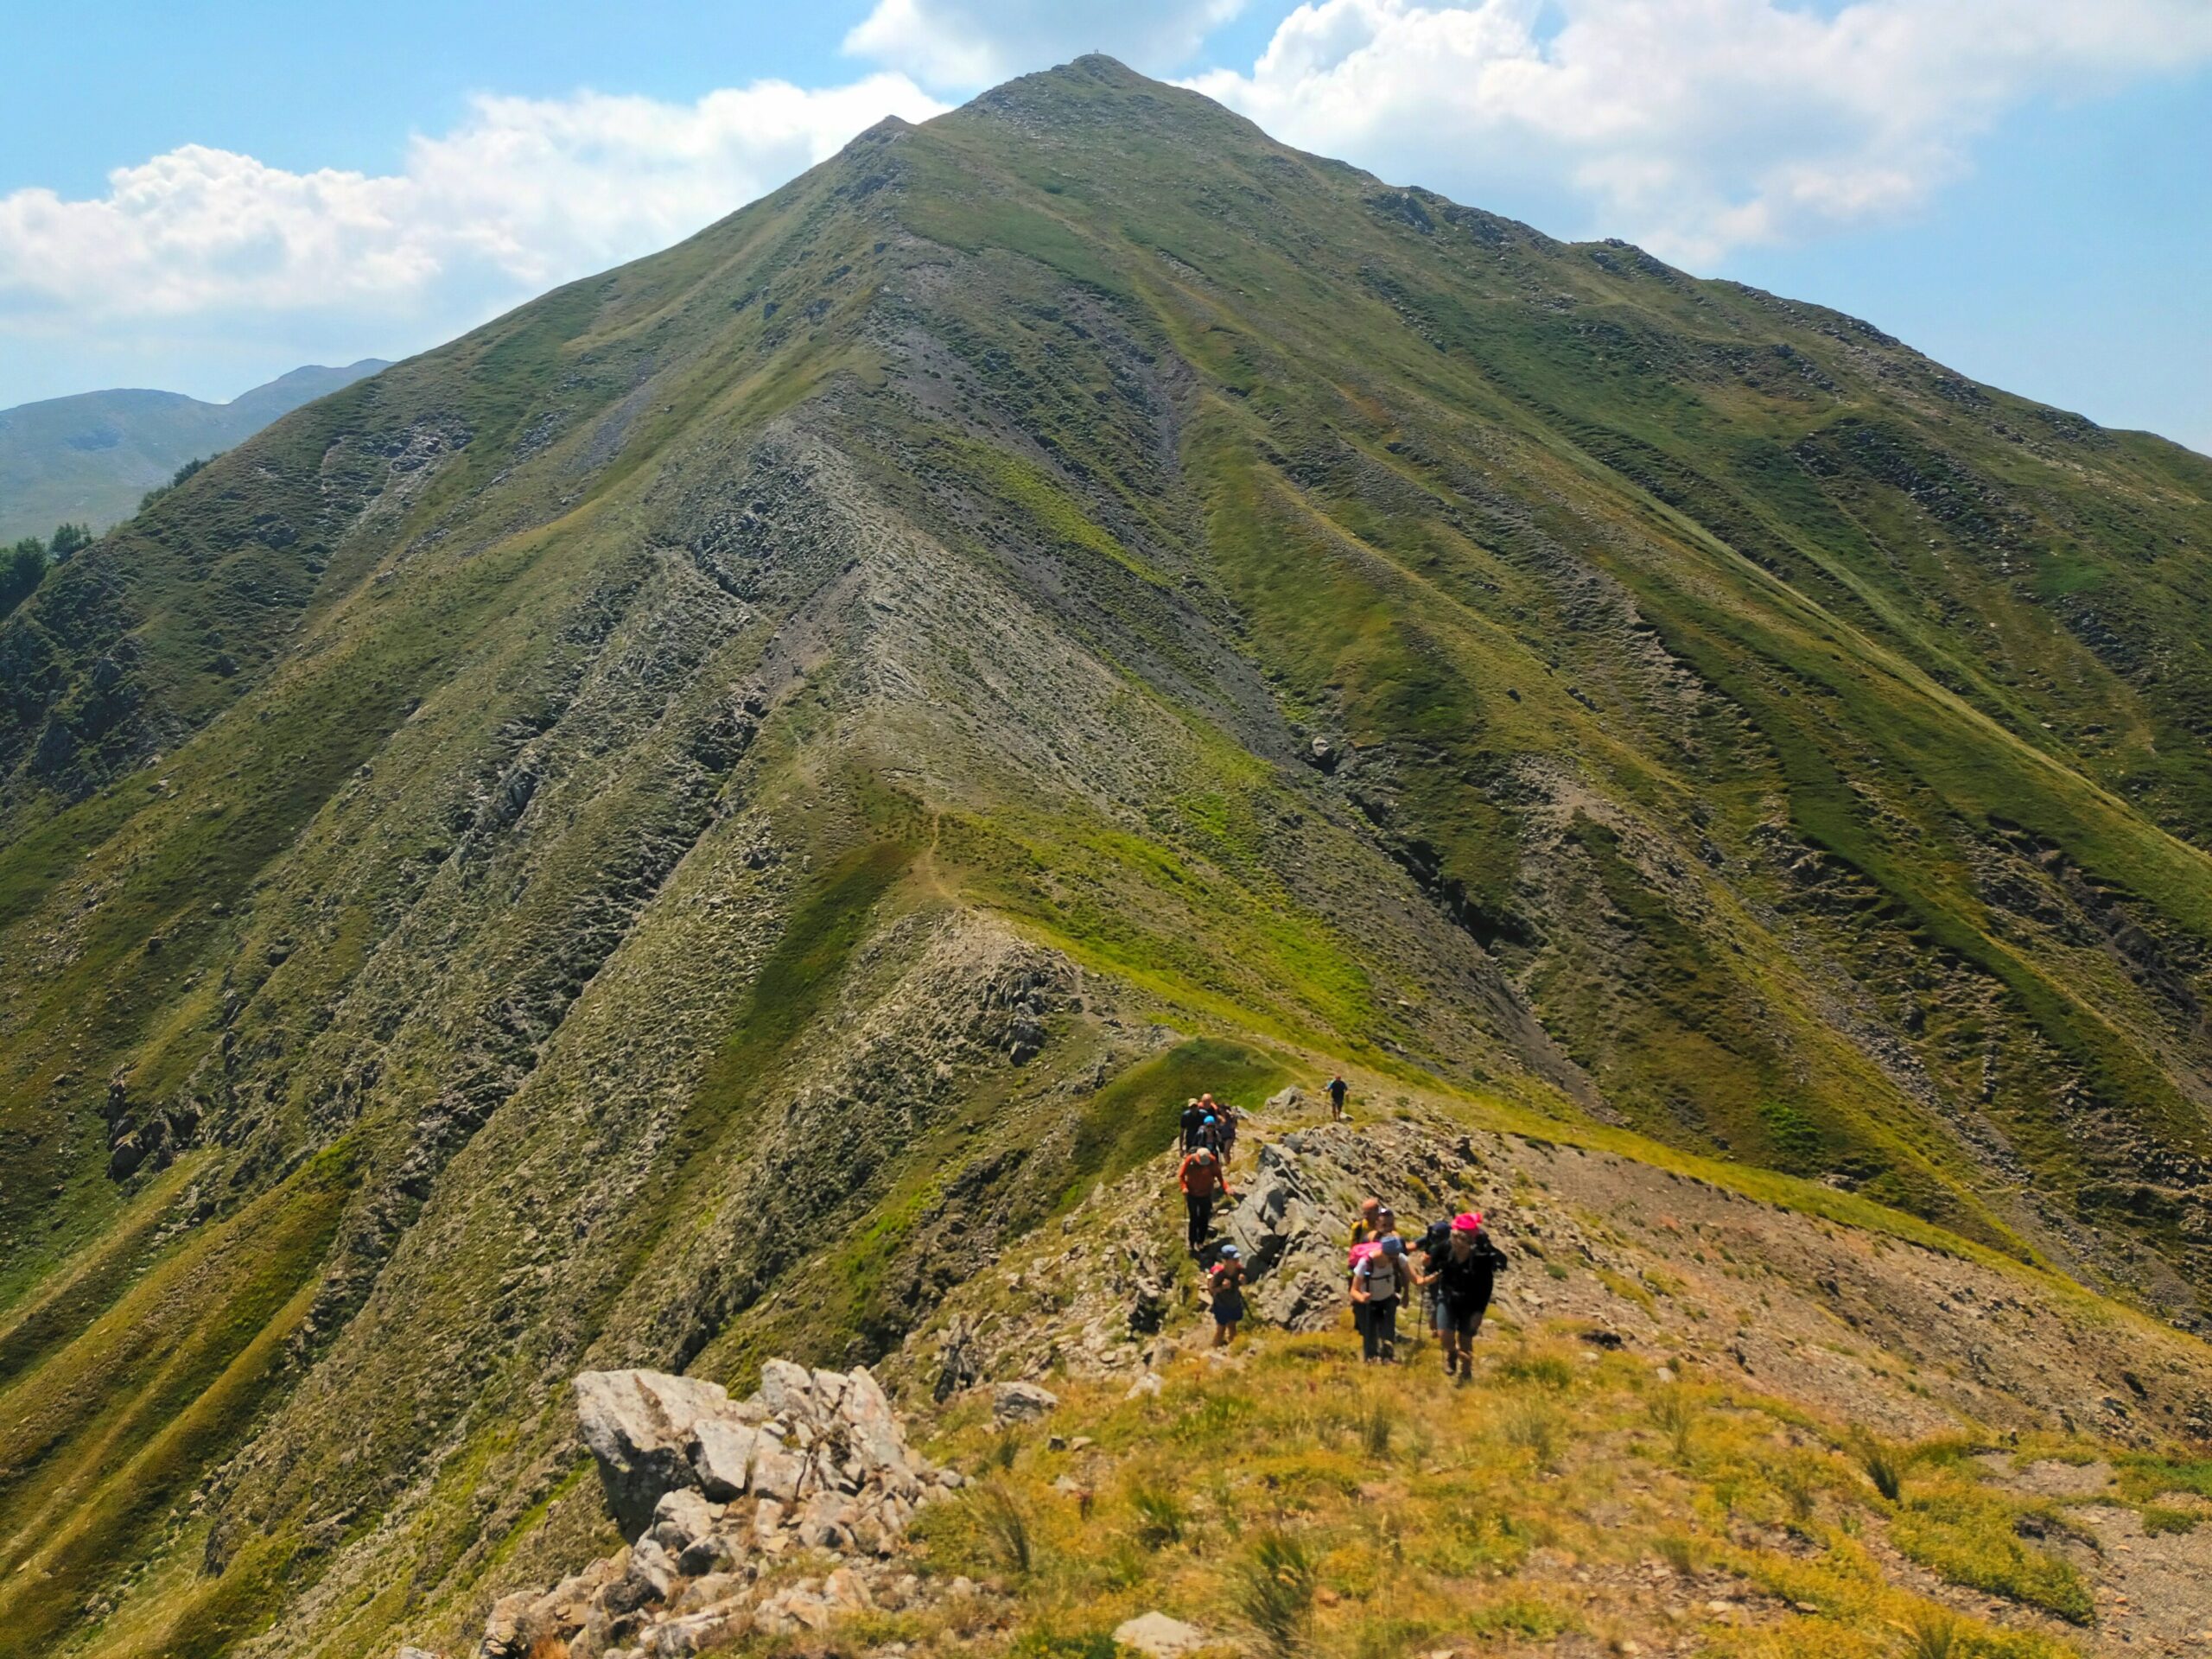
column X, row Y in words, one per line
column 1132, row 1117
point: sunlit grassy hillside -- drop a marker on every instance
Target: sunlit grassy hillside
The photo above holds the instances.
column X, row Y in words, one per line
column 818, row 738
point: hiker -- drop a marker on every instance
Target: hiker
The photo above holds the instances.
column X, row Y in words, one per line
column 1202, row 1182
column 1209, row 1135
column 1226, row 1283
column 1225, row 1117
column 1363, row 1244
column 1363, row 1229
column 1461, row 1274
column 1377, row 1284
column 1193, row 1118
column 1385, row 1225
column 1426, row 1250
column 1337, row 1089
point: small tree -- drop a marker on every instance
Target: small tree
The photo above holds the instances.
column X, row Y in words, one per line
column 22, row 567
column 68, row 539
column 175, row 478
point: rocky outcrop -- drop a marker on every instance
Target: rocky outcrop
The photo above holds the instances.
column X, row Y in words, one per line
column 1288, row 1227
column 1021, row 1403
column 713, row 1489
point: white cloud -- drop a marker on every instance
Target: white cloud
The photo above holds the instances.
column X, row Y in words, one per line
column 523, row 193
column 969, row 44
column 1694, row 126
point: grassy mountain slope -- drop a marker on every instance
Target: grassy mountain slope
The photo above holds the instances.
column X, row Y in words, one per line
column 821, row 736
column 87, row 459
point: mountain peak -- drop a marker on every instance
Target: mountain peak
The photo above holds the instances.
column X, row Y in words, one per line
column 697, row 818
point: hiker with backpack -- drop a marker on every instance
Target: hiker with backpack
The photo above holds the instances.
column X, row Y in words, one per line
column 1225, row 1120
column 1193, row 1120
column 1378, row 1284
column 1461, row 1275
column 1364, row 1244
column 1225, row 1284
column 1202, row 1181
column 1337, row 1089
column 1364, row 1229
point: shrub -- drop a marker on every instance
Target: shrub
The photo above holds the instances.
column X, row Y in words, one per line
column 1044, row 1644
column 1162, row 1517
column 1004, row 1527
column 1930, row 1632
column 1376, row 1423
column 1519, row 1616
column 1679, row 1551
column 2157, row 1518
column 1885, row 1463
column 1675, row 1414
column 1796, row 1479
column 1535, row 1428
column 1968, row 1537
column 1545, row 1370
column 1274, row 1592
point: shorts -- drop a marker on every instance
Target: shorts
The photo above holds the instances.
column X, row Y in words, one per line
column 1460, row 1319
column 1228, row 1307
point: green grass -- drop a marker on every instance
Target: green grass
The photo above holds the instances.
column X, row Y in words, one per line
column 1967, row 1535
column 109, row 1435
column 1284, row 1548
column 1136, row 1115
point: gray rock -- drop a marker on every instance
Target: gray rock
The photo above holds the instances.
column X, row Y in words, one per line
column 872, row 1427
column 681, row 1518
column 766, row 1518
column 825, row 1522
column 787, row 1390
column 777, row 1470
column 507, row 1634
column 416, row 1653
column 652, row 1575
column 567, row 1606
column 722, row 1456
column 640, row 1425
column 711, row 1556
column 1160, row 1635
column 1021, row 1403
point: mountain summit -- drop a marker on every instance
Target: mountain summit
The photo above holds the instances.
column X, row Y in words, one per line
column 677, row 827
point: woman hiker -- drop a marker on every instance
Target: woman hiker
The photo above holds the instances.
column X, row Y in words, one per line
column 1377, row 1284
column 1462, row 1273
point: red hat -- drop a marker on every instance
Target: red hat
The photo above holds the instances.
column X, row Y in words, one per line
column 1467, row 1221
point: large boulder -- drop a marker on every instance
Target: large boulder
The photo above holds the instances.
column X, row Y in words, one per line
column 722, row 1456
column 640, row 1426
column 1021, row 1403
column 1160, row 1636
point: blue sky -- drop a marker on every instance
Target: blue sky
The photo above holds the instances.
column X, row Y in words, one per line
column 200, row 196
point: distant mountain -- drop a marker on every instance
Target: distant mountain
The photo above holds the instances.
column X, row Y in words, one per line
column 87, row 459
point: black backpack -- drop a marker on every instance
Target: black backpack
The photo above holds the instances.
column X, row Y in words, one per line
column 1437, row 1238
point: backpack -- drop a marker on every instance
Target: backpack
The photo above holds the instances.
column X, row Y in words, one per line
column 1360, row 1252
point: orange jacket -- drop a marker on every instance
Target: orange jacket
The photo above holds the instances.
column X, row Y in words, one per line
column 1201, row 1177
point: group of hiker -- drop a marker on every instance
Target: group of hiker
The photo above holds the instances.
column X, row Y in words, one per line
column 1453, row 1263
column 1456, row 1271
